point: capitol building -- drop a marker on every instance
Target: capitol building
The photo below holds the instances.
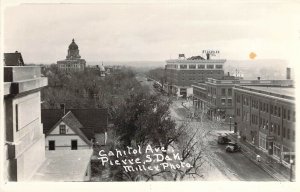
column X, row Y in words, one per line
column 73, row 61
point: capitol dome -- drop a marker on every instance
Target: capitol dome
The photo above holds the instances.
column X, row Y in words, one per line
column 73, row 45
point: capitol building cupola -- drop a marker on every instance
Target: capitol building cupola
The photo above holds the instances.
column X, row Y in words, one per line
column 73, row 61
column 73, row 51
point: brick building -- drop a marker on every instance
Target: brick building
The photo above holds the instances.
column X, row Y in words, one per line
column 216, row 95
column 265, row 117
column 182, row 72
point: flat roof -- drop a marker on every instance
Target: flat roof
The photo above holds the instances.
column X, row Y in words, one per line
column 286, row 91
column 64, row 165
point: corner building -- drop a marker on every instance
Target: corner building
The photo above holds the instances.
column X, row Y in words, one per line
column 265, row 117
column 182, row 72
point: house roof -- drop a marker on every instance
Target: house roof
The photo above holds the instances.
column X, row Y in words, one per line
column 93, row 120
column 74, row 124
column 13, row 59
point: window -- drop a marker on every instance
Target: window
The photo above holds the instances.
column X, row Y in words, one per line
column 73, row 144
column 260, row 121
column 283, row 132
column 219, row 66
column 272, row 126
column 183, row 66
column 278, row 130
column 229, row 102
column 294, row 136
column 294, row 116
column 267, row 108
column 262, row 142
column 276, row 149
column 210, row 66
column 223, row 101
column 284, row 113
column 271, row 109
column 51, row 145
column 223, row 91
column 230, row 92
column 275, row 110
column 289, row 115
column 288, row 133
column 192, row 66
column 62, row 129
column 260, row 106
column 238, row 99
column 201, row 66
column 279, row 111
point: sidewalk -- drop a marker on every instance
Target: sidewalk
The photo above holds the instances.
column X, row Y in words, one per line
column 270, row 165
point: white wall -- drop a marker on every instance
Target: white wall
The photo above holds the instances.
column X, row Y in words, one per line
column 63, row 141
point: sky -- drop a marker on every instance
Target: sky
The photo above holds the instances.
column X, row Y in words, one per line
column 153, row 31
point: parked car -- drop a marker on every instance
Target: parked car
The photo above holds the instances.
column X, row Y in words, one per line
column 223, row 139
column 232, row 147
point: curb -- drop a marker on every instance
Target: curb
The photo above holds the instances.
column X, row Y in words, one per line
column 261, row 165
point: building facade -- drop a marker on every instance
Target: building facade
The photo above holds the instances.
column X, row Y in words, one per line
column 24, row 147
column 265, row 117
column 216, row 95
column 182, row 72
column 91, row 124
column 73, row 61
column 66, row 134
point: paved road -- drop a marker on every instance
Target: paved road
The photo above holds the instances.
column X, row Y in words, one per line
column 144, row 82
column 234, row 166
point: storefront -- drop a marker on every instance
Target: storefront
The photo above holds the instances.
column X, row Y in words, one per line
column 263, row 142
column 287, row 156
column 276, row 151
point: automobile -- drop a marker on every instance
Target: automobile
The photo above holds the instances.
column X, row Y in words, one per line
column 232, row 147
column 223, row 139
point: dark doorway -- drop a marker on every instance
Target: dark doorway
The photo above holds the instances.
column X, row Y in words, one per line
column 51, row 145
column 74, row 145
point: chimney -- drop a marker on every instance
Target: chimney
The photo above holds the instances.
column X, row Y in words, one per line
column 258, row 78
column 228, row 74
column 207, row 56
column 62, row 106
column 288, row 73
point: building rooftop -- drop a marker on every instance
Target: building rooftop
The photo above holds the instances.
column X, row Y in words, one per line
column 284, row 92
column 74, row 124
column 93, row 120
column 13, row 59
column 64, row 165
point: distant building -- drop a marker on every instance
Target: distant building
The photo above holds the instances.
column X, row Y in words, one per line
column 102, row 70
column 265, row 117
column 13, row 59
column 24, row 147
column 73, row 61
column 216, row 95
column 182, row 72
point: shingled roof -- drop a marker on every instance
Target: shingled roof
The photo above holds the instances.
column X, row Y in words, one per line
column 13, row 59
column 92, row 120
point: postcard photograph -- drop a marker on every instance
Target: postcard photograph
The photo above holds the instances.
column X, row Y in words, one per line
column 149, row 91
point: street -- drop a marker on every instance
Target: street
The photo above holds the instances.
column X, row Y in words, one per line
column 219, row 164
